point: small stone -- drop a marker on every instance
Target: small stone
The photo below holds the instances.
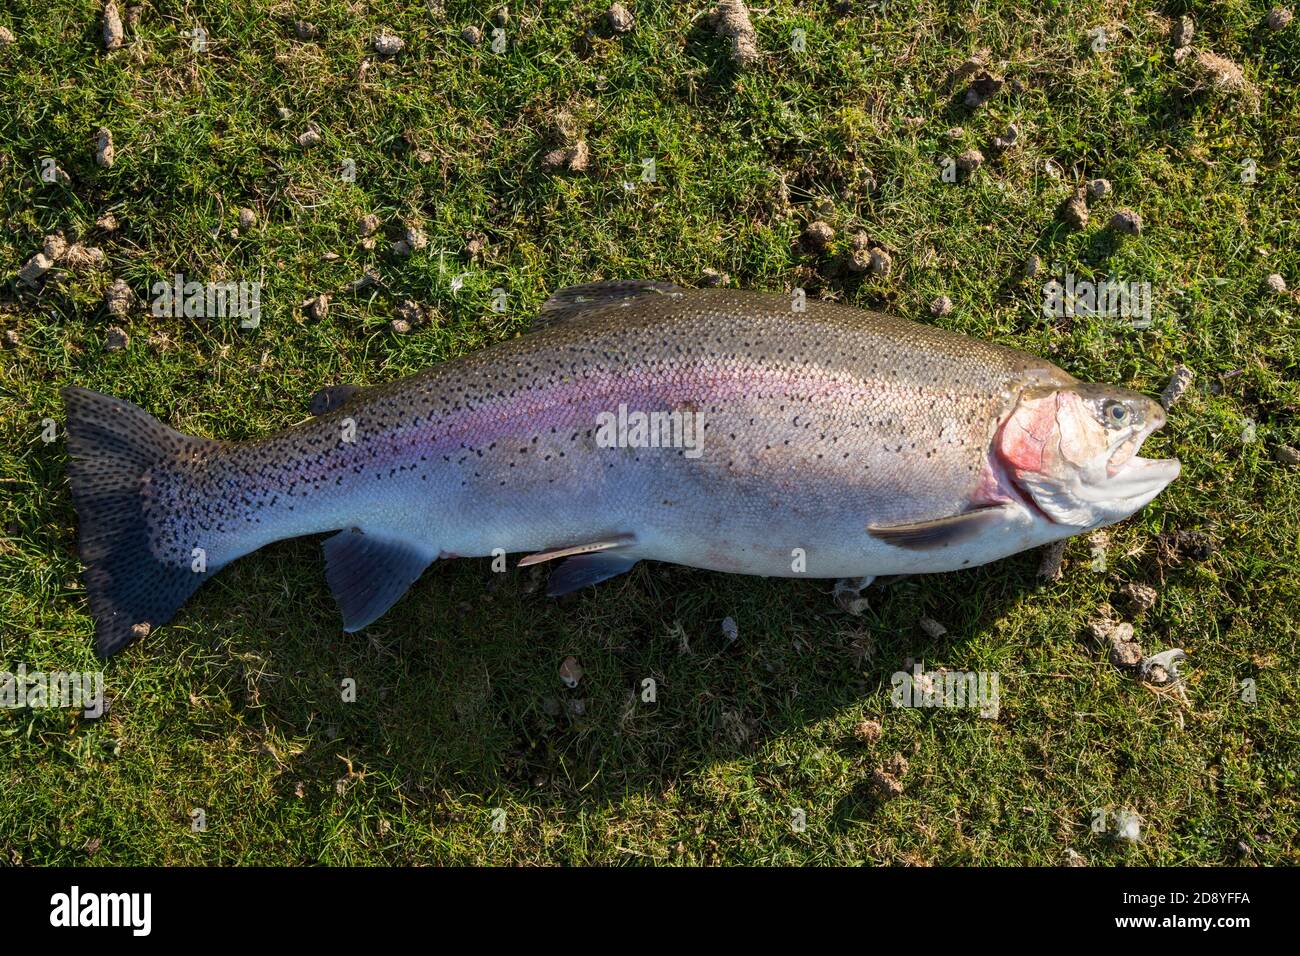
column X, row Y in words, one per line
column 932, row 628
column 970, row 160
column 317, row 307
column 730, row 632
column 400, row 326
column 112, row 26
column 306, row 31
column 941, row 306
column 1141, row 597
column 1074, row 211
column 367, row 225
column 104, row 147
column 1099, row 189
column 1286, row 455
column 54, row 246
column 247, row 219
column 1007, row 139
column 472, row 35
column 571, row 672
column 1125, row 654
column 620, row 19
column 11, row 339
column 107, row 222
column 1279, row 18
column 868, row 731
column 116, row 340
column 1031, row 267
column 982, row 89
column 1178, row 382
column 309, row 138
column 34, row 268
column 1183, row 32
column 387, row 44
column 712, row 278
column 1127, row 221
column 1276, row 283
column 817, row 235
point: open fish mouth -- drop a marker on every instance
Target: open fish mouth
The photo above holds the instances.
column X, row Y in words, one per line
column 1129, row 475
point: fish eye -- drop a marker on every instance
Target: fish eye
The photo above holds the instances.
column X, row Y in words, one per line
column 1117, row 412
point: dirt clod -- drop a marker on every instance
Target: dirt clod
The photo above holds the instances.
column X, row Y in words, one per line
column 620, row 18
column 1127, row 221
column 1217, row 73
column 115, row 340
column 107, row 222
column 817, row 236
column 112, row 26
column 1141, row 597
column 1178, row 383
column 1183, row 32
column 1074, row 211
column 1276, row 283
column 81, row 258
column 11, row 339
column 970, row 160
column 367, row 225
column 309, row 138
column 388, row 44
column 119, row 298
column 868, row 731
column 730, row 19
column 886, row 784
column 104, row 147
column 941, row 306
column 1279, row 18
column 982, row 89
column 1286, row 455
column 34, row 268
column 306, row 31
column 6, row 37
column 472, row 35
column 247, row 219
column 1099, row 189
column 317, row 307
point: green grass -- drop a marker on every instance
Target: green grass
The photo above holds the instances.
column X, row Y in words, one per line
column 235, row 707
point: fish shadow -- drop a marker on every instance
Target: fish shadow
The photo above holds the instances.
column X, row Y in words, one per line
column 458, row 690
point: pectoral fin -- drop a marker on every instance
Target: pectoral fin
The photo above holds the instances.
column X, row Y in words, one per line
column 941, row 532
column 367, row 573
column 618, row 541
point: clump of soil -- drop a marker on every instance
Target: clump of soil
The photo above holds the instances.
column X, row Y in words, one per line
column 730, row 19
column 817, row 236
column 1074, row 211
column 119, row 298
column 1178, row 383
column 620, row 18
column 941, row 306
column 868, row 731
column 1141, row 597
column 104, row 147
column 112, row 26
column 1126, row 221
column 1211, row 71
column 1279, row 18
column 575, row 158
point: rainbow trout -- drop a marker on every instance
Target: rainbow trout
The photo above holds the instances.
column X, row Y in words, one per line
column 638, row 421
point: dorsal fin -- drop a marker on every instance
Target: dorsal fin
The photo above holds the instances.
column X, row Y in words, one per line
column 331, row 397
column 578, row 300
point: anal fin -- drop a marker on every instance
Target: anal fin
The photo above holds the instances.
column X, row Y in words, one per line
column 941, row 532
column 367, row 573
column 586, row 570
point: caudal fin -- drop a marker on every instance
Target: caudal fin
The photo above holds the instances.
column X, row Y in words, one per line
column 113, row 446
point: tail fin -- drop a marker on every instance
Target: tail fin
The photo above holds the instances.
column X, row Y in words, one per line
column 112, row 446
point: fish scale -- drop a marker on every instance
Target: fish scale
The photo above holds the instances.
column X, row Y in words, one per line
column 814, row 426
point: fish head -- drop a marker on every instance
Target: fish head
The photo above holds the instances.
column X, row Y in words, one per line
column 1073, row 450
